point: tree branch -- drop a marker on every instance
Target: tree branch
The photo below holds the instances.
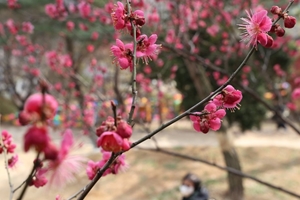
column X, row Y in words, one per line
column 8, row 174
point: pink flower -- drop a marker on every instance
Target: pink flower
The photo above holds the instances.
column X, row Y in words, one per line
column 229, row 97
column 116, row 167
column 70, row 25
column 50, row 10
column 147, row 48
column 39, row 180
column 13, row 29
column 36, row 137
column 296, row 94
column 256, row 28
column 13, row 4
column 92, row 168
column 34, row 105
column 123, row 54
column 211, row 118
column 110, row 141
column 291, row 106
column 90, row 48
column 124, row 130
column 7, row 142
column 12, row 161
column 63, row 169
column 27, row 27
column 95, row 36
column 84, row 9
column 119, row 16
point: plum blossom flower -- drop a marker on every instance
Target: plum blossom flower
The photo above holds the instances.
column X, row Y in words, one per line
column 7, row 142
column 119, row 16
column 63, row 169
column 92, row 168
column 40, row 179
column 123, row 54
column 84, row 9
column 36, row 105
column 13, row 4
column 146, row 47
column 256, row 28
column 12, row 161
column 229, row 98
column 37, row 137
column 117, row 166
column 210, row 118
column 114, row 138
column 27, row 27
column 296, row 94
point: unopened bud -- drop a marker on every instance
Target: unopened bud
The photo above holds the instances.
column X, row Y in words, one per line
column 275, row 10
column 289, row 22
column 280, row 31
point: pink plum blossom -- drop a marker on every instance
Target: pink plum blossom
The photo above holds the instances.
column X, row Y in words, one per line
column 117, row 166
column 12, row 161
column 123, row 54
column 296, row 94
column 210, row 119
column 7, row 142
column 35, row 105
column 37, row 137
column 27, row 27
column 146, row 47
column 256, row 28
column 63, row 169
column 229, row 97
column 39, row 180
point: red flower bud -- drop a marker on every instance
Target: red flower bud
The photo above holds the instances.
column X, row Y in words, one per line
column 289, row 22
column 275, row 10
column 280, row 31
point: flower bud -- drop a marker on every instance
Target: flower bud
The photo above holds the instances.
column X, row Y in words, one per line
column 289, row 22
column 275, row 10
column 280, row 31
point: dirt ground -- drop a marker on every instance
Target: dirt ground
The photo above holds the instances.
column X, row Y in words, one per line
column 268, row 154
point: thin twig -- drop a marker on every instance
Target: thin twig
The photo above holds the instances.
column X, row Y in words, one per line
column 197, row 114
column 78, row 193
column 134, row 90
column 11, row 187
column 99, row 174
column 29, row 178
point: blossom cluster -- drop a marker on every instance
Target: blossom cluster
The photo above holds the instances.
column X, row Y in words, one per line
column 113, row 138
column 258, row 26
column 289, row 21
column 214, row 111
column 39, row 108
column 117, row 166
column 146, row 48
column 7, row 145
column 114, row 135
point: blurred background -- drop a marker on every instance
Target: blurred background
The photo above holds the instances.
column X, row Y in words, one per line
column 67, row 44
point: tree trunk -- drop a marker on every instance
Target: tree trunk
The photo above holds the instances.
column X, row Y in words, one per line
column 235, row 183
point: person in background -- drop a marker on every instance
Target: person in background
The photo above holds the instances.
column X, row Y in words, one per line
column 192, row 189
